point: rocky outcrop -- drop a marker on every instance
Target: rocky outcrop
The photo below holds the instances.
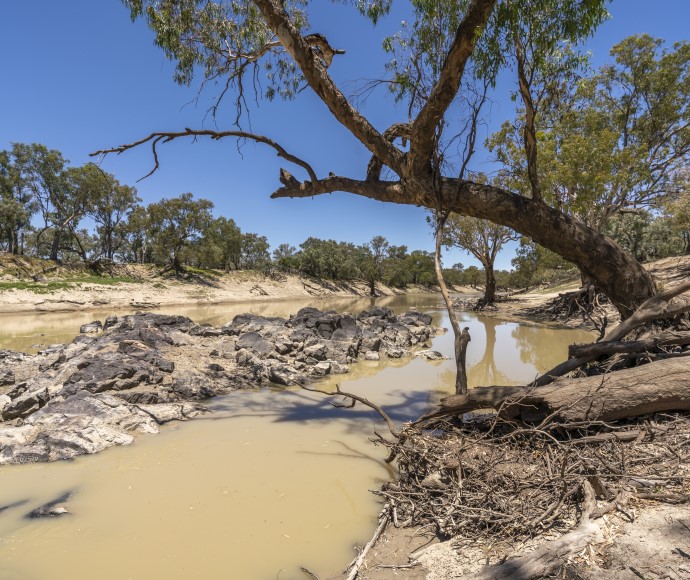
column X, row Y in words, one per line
column 148, row 369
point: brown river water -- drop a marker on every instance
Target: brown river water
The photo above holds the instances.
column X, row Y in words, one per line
column 272, row 480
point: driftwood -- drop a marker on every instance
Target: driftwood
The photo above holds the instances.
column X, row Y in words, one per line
column 656, row 308
column 661, row 386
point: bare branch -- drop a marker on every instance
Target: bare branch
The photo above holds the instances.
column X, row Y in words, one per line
column 443, row 93
column 156, row 138
column 314, row 71
column 366, row 402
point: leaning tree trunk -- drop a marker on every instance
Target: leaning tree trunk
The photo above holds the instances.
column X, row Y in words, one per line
column 622, row 278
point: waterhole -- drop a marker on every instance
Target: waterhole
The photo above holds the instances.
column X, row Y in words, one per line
column 270, row 481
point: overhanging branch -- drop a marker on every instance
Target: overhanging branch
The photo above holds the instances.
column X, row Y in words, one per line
column 165, row 137
column 443, row 93
column 320, row 81
column 391, row 191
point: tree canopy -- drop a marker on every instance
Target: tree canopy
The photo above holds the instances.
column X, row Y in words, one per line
column 441, row 64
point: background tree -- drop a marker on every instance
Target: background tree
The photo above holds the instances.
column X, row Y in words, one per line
column 17, row 202
column 618, row 140
column 254, row 252
column 374, row 255
column 108, row 204
column 175, row 224
column 483, row 240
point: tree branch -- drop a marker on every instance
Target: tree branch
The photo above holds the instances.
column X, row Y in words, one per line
column 443, row 93
column 319, row 80
column 165, row 137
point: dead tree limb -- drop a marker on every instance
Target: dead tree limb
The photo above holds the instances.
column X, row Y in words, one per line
column 657, row 387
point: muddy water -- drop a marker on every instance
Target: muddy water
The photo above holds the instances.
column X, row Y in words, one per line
column 270, row 481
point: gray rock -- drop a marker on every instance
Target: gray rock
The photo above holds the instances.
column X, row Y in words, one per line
column 6, row 377
column 431, row 355
column 91, row 327
column 316, row 351
column 370, row 341
column 339, row 369
column 255, row 342
column 321, row 369
column 395, row 352
column 371, row 355
column 284, row 375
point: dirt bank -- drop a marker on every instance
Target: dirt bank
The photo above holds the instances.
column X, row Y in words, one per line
column 29, row 285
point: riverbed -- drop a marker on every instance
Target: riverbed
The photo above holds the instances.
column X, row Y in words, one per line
column 272, row 480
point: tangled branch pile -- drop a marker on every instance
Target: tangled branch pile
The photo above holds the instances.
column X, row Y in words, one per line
column 493, row 478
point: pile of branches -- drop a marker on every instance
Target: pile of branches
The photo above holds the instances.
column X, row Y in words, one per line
column 493, row 478
column 587, row 304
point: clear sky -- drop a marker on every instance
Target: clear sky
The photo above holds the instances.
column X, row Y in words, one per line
column 79, row 76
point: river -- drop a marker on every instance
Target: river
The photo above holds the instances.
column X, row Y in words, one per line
column 272, row 480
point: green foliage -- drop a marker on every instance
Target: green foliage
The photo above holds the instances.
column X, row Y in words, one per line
column 534, row 265
column 617, row 140
column 175, row 224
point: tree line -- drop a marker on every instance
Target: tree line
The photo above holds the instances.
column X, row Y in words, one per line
column 47, row 206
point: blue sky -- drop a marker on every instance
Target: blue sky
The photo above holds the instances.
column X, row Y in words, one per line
column 79, row 76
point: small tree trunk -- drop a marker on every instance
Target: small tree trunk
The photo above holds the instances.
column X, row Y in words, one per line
column 490, row 290
column 55, row 246
column 460, row 340
column 372, row 287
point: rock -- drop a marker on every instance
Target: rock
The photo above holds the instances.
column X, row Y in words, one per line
column 4, row 402
column 316, row 351
column 91, row 327
column 339, row 369
column 6, row 377
column 193, row 386
column 370, row 341
column 51, row 509
column 431, row 355
column 395, row 352
column 255, row 342
column 371, row 355
column 283, row 375
column 110, row 322
column 321, row 369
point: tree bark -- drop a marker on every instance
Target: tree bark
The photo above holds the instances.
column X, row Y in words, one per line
column 490, row 289
column 651, row 388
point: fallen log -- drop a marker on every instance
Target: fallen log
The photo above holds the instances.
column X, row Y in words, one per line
column 598, row 349
column 651, row 388
column 657, row 307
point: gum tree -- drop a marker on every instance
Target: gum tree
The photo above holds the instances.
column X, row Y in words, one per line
column 238, row 42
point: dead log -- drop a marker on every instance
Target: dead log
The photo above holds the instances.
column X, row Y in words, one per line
column 655, row 308
column 656, row 387
column 597, row 349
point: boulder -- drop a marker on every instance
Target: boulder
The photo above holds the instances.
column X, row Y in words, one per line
column 371, row 355
column 255, row 342
column 91, row 327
